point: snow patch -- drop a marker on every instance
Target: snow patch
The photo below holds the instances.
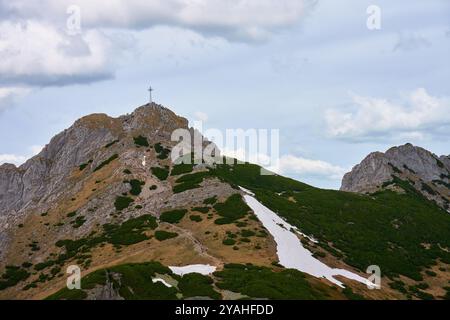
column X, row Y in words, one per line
column 290, row 250
column 204, row 269
column 155, row 280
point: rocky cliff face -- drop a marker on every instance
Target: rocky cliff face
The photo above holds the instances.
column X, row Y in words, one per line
column 428, row 173
column 92, row 178
column 44, row 178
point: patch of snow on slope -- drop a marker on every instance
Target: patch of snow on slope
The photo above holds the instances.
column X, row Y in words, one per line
column 290, row 250
column 204, row 269
column 155, row 280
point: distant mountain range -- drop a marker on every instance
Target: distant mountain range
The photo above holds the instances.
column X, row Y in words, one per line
column 104, row 195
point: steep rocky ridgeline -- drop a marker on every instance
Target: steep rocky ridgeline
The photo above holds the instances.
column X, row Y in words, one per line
column 407, row 164
column 105, row 191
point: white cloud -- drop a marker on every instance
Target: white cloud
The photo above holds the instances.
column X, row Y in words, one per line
column 290, row 164
column 37, row 53
column 420, row 114
column 20, row 159
column 36, row 50
column 239, row 19
column 12, row 158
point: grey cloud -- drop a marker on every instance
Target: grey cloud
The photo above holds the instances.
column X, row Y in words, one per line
column 75, row 47
column 53, row 80
column 241, row 21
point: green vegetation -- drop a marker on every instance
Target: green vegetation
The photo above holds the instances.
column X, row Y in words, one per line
column 234, row 208
column 84, row 165
column 210, row 201
column 153, row 187
column 422, row 286
column 415, row 291
column 195, row 218
column 43, row 265
column 386, row 228
column 161, row 235
column 12, row 276
column 250, row 175
column 319, row 254
column 136, row 186
column 66, row 294
column 131, row 231
column 106, row 162
column 163, row 153
column 396, row 170
column 111, row 143
column 409, row 169
column 190, row 181
column 201, row 209
column 197, row 285
column 71, row 214
column 231, row 234
column 135, row 283
column 127, row 171
column 430, row 273
column 34, row 246
column 160, row 173
column 399, row 286
column 443, row 183
column 78, row 222
column 247, row 233
column 447, row 293
column 428, row 189
column 173, row 216
column 348, row 292
column 122, row 202
column 262, row 282
column 141, row 141
column 181, row 169
column 229, row 242
column 127, row 233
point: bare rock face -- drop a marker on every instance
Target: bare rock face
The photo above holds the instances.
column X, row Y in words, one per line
column 52, row 176
column 445, row 160
column 20, row 187
column 370, row 173
column 427, row 172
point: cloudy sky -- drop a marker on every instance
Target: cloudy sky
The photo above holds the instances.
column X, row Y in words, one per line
column 336, row 89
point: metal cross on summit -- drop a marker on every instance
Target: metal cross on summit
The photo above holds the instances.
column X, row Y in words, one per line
column 150, row 90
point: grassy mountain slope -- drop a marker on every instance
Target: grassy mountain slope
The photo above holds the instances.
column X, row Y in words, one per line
column 404, row 234
column 236, row 281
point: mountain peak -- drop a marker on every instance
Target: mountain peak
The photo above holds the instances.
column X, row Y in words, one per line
column 427, row 172
column 154, row 118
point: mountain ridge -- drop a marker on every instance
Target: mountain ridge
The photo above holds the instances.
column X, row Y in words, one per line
column 105, row 195
column 428, row 173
